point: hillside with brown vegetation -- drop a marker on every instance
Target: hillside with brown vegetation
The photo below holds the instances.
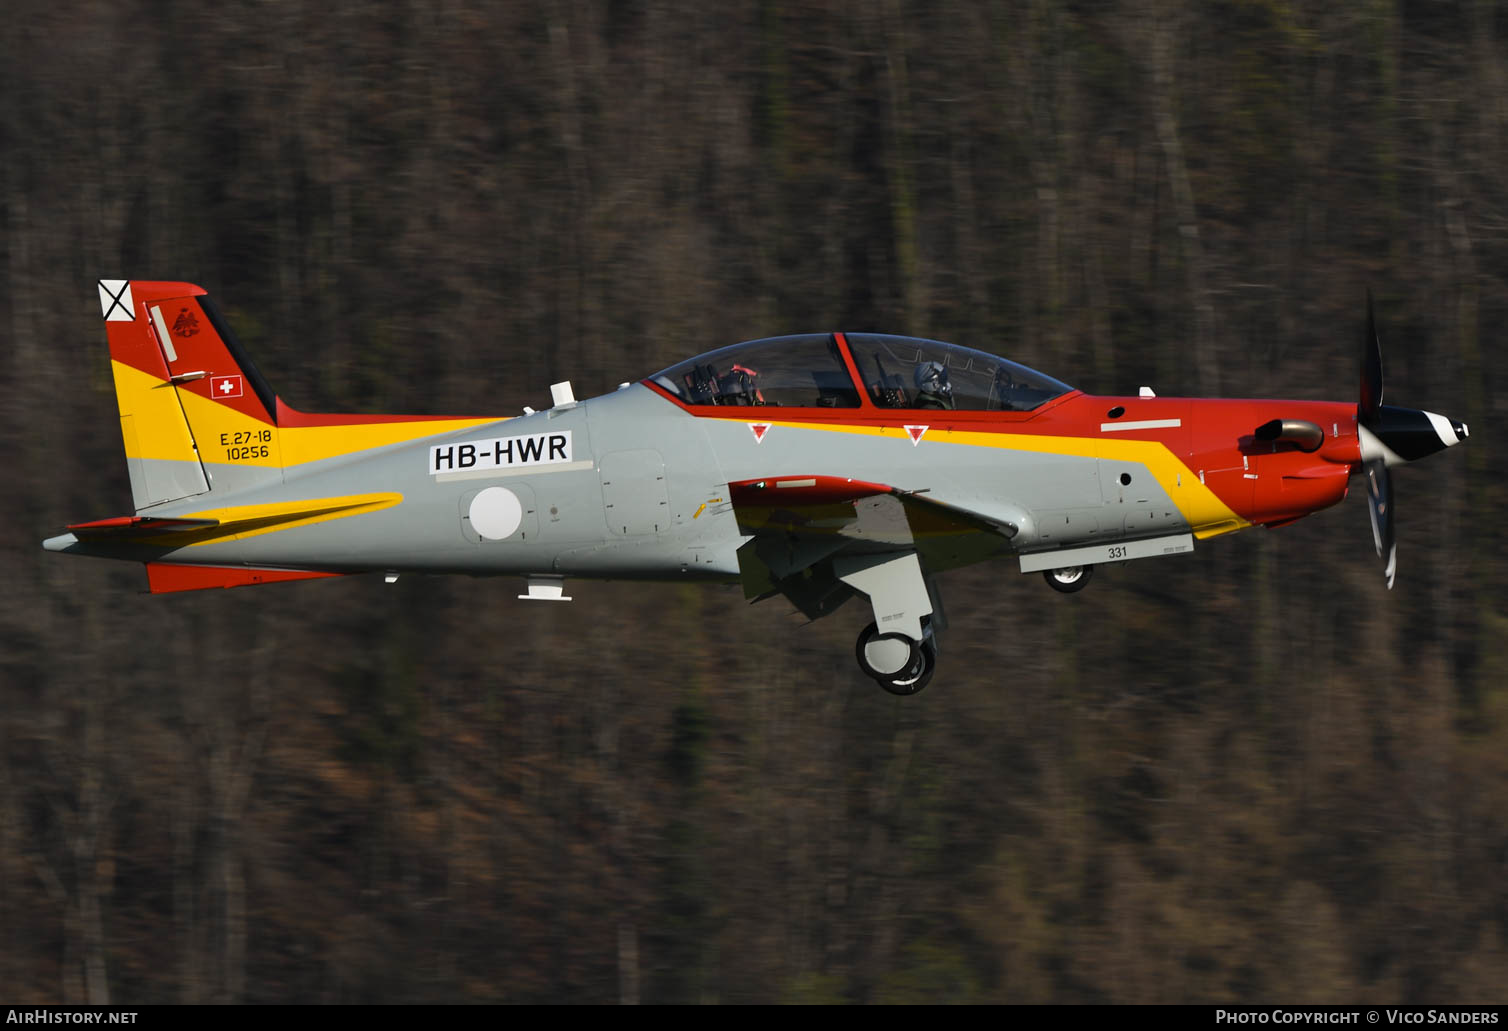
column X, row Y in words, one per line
column 1252, row 774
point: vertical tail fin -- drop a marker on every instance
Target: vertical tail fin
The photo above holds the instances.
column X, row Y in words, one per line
column 187, row 394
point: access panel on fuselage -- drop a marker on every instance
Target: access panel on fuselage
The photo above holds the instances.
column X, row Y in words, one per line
column 635, row 499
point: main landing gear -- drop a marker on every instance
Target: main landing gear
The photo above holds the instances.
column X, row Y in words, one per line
column 896, row 662
column 902, row 658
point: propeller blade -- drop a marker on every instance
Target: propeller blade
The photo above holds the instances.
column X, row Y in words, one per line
column 1380, row 506
column 1371, row 371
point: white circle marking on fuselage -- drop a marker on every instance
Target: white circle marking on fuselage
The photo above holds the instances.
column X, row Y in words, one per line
column 495, row 513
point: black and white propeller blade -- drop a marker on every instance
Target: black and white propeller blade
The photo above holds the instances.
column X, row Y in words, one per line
column 1380, row 505
column 1391, row 436
column 1379, row 480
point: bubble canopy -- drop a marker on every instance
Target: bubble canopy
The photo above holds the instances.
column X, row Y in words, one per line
column 813, row 371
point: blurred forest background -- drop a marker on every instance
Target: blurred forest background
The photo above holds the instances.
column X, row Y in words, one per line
column 1250, row 774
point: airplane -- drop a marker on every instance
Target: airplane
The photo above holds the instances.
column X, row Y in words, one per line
column 813, row 467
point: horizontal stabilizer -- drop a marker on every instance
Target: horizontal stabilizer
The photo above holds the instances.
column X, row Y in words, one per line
column 165, row 578
column 219, row 524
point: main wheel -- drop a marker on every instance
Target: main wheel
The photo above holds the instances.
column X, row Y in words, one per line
column 917, row 676
column 897, row 663
column 1069, row 578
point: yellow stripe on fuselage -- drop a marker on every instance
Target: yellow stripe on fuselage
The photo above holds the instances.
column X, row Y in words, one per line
column 1200, row 507
column 314, row 443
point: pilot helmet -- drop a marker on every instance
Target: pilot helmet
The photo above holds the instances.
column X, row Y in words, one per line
column 932, row 378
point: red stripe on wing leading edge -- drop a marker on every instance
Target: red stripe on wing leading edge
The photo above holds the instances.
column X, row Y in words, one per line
column 115, row 522
column 802, row 490
column 164, row 578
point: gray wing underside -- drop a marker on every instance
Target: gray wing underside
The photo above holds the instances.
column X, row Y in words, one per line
column 799, row 525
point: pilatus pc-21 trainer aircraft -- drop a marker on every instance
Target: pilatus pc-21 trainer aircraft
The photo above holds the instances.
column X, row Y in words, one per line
column 815, row 467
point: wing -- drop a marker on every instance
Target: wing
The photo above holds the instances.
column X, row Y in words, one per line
column 801, row 524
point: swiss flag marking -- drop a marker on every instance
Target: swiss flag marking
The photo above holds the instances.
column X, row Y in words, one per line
column 759, row 429
column 915, row 433
column 225, row 386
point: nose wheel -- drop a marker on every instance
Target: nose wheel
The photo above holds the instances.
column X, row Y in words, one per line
column 1069, row 578
column 897, row 663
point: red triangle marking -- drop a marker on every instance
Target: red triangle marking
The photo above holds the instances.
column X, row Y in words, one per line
column 916, row 433
column 759, row 429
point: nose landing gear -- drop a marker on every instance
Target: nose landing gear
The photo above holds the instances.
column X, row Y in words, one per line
column 1069, row 578
column 897, row 663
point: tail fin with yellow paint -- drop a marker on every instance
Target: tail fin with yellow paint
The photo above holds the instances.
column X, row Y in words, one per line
column 195, row 415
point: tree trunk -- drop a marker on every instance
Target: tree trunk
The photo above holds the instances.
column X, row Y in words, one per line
column 1164, row 114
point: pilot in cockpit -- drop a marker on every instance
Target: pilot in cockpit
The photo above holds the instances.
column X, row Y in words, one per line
column 739, row 386
column 932, row 387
